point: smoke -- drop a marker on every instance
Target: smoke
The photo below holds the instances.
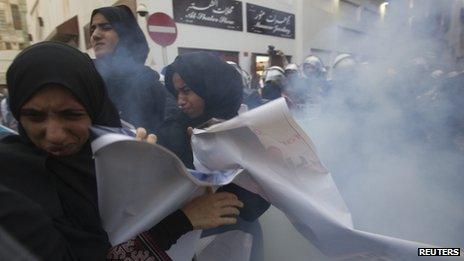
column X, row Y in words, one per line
column 390, row 131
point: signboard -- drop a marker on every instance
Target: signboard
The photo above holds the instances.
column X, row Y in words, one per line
column 162, row 29
column 262, row 20
column 225, row 14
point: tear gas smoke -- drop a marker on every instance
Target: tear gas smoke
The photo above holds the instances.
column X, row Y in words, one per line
column 391, row 134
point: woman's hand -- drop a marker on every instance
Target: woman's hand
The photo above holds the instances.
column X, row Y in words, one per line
column 213, row 210
column 189, row 132
column 141, row 134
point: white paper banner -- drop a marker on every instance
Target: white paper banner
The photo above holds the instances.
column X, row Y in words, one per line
column 139, row 184
column 282, row 161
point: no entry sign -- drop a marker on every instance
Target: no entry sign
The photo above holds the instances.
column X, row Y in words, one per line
column 162, row 29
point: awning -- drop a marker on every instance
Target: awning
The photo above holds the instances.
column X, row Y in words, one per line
column 67, row 32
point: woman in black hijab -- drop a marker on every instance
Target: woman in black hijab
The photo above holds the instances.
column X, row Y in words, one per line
column 207, row 87
column 121, row 50
column 55, row 100
column 50, row 161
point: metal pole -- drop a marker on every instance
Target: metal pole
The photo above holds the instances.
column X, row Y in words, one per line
column 165, row 55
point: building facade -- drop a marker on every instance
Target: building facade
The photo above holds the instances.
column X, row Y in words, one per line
column 13, row 32
column 312, row 27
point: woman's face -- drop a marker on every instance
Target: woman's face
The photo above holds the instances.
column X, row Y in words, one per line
column 103, row 37
column 55, row 121
column 190, row 103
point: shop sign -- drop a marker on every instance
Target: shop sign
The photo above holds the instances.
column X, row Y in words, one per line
column 225, row 14
column 263, row 20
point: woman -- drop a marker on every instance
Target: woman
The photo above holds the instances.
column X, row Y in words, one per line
column 121, row 50
column 206, row 87
column 50, row 163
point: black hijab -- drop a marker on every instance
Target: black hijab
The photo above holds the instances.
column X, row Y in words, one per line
column 64, row 187
column 132, row 46
column 215, row 81
column 220, row 85
column 58, row 63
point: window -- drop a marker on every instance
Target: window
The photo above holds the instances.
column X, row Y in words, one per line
column 17, row 23
column 2, row 19
column 41, row 21
column 261, row 64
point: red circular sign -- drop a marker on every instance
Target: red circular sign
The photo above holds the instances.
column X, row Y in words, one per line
column 162, row 29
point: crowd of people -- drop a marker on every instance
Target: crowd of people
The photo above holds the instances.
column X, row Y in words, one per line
column 427, row 92
column 49, row 194
column 55, row 93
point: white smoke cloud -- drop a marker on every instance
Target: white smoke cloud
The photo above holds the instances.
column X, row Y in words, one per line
column 385, row 132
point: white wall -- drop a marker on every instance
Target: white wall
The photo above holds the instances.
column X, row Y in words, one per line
column 6, row 58
column 334, row 26
column 319, row 29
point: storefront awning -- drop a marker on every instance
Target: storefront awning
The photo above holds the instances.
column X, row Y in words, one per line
column 67, row 32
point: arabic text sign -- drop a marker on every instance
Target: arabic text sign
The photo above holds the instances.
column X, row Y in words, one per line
column 262, row 20
column 225, row 14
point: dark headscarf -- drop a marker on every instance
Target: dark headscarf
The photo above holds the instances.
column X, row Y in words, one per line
column 132, row 43
column 63, row 187
column 215, row 81
column 133, row 87
column 220, row 85
column 58, row 63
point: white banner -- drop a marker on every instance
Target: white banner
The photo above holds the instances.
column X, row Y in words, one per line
column 140, row 183
column 282, row 161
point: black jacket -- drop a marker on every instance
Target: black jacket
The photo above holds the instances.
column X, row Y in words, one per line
column 63, row 222
column 137, row 94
